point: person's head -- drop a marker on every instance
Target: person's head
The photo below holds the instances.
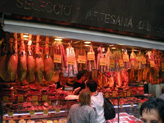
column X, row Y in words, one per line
column 162, row 90
column 81, row 76
column 62, row 79
column 152, row 111
column 91, row 85
column 84, row 97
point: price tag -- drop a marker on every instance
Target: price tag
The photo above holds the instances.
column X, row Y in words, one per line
column 140, row 103
column 55, row 121
column 143, row 61
column 128, row 94
column 34, row 98
column 121, row 63
column 112, row 63
column 162, row 67
column 45, row 111
column 44, row 98
column 126, row 58
column 106, row 95
column 152, row 64
column 57, row 58
column 113, row 94
column 120, row 105
column 32, row 112
column 71, row 60
column 10, row 114
column 82, row 59
column 102, row 61
column 5, row 99
column 20, row 98
column 131, row 104
column 57, row 110
column 91, row 56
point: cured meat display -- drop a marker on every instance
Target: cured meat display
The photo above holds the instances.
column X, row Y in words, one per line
column 91, row 62
column 30, row 62
column 13, row 61
column 100, row 59
column 71, row 63
column 22, row 61
column 48, row 63
column 39, row 65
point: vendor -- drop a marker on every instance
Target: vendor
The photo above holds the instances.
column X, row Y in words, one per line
column 62, row 81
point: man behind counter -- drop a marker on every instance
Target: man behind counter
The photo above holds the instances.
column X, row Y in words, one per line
column 62, row 81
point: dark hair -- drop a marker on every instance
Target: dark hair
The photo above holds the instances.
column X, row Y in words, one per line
column 84, row 97
column 80, row 74
column 153, row 103
column 92, row 85
column 162, row 90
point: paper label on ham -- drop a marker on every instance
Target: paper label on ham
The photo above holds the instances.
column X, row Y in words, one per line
column 162, row 67
column 112, row 63
column 71, row 60
column 152, row 64
column 103, row 61
column 81, row 59
column 121, row 63
column 125, row 58
column 91, row 56
column 57, row 58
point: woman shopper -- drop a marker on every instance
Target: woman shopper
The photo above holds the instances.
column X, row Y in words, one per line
column 152, row 111
column 82, row 112
column 97, row 101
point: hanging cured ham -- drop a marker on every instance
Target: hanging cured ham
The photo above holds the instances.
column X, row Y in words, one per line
column 22, row 61
column 91, row 62
column 4, row 62
column 39, row 65
column 118, row 79
column 108, row 55
column 59, row 56
column 100, row 56
column 133, row 59
column 48, row 62
column 13, row 60
column 30, row 61
column 125, row 77
column 71, row 69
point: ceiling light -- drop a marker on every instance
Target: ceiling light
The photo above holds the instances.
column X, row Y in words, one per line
column 25, row 36
column 58, row 39
column 111, row 45
column 113, row 48
column 87, row 45
column 87, row 42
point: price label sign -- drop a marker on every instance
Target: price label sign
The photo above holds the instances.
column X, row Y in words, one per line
column 102, row 61
column 126, row 58
column 91, row 56
column 57, row 58
column 34, row 98
column 120, row 105
column 45, row 111
column 57, row 110
column 106, row 95
column 113, row 94
column 112, row 63
column 20, row 98
column 32, row 112
column 44, row 98
column 143, row 61
column 5, row 99
column 152, row 64
column 128, row 94
column 121, row 63
column 10, row 114
column 71, row 60
column 162, row 67
column 131, row 104
column 140, row 103
column 81, row 59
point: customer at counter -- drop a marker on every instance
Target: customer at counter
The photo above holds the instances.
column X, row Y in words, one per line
column 152, row 111
column 82, row 112
column 97, row 101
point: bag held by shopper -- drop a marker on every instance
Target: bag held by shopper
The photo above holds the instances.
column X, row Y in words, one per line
column 109, row 111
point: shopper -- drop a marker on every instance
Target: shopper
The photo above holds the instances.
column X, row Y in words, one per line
column 152, row 111
column 82, row 112
column 162, row 95
column 97, row 101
